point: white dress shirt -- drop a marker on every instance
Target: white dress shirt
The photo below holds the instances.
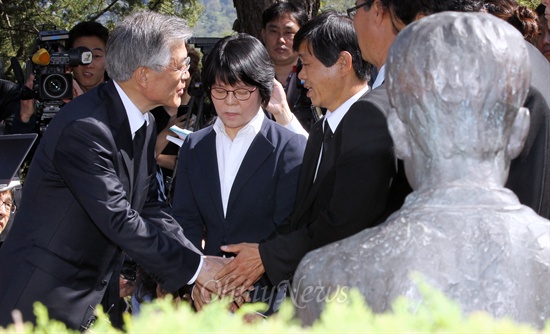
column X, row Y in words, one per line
column 380, row 77
column 333, row 118
column 135, row 117
column 296, row 127
column 230, row 153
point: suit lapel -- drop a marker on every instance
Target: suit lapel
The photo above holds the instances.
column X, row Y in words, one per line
column 306, row 188
column 120, row 128
column 140, row 176
column 257, row 154
column 208, row 162
column 327, row 162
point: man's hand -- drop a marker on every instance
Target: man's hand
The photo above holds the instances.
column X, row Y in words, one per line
column 278, row 105
column 210, row 267
column 201, row 296
column 27, row 106
column 243, row 271
column 77, row 90
column 126, row 287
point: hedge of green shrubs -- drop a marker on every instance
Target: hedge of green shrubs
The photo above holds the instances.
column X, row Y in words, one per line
column 436, row 314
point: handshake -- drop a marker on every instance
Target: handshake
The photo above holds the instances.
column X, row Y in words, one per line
column 228, row 277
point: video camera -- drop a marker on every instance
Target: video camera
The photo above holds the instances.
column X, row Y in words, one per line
column 49, row 64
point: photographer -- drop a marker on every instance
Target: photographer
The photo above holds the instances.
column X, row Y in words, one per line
column 192, row 114
column 89, row 34
column 94, row 36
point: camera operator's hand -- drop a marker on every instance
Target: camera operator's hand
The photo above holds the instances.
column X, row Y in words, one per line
column 77, row 91
column 27, row 106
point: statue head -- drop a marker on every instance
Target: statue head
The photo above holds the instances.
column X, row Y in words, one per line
column 457, row 83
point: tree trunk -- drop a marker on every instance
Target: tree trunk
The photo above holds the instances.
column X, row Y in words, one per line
column 249, row 13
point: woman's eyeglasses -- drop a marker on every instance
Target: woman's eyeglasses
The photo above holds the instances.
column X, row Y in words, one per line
column 241, row 94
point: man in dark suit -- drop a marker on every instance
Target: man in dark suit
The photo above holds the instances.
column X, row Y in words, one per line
column 529, row 176
column 344, row 184
column 90, row 194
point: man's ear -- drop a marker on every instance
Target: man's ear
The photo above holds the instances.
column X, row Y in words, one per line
column 399, row 134
column 141, row 75
column 345, row 60
column 379, row 10
column 518, row 133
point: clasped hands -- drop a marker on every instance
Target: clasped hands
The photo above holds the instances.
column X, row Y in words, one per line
column 232, row 277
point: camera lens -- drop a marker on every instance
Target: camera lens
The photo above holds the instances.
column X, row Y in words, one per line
column 55, row 85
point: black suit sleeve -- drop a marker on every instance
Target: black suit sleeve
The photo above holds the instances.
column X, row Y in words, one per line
column 9, row 99
column 85, row 160
column 352, row 197
column 529, row 176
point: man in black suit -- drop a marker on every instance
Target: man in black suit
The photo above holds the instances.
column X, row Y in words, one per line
column 90, row 194
column 529, row 176
column 344, row 183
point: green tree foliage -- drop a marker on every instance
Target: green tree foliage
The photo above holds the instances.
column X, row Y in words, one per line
column 435, row 314
column 529, row 3
column 20, row 21
column 338, row 5
column 217, row 19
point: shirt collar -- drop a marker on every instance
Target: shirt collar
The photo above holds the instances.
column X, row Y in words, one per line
column 334, row 117
column 255, row 124
column 135, row 117
column 379, row 77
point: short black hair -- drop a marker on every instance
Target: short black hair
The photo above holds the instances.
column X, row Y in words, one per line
column 87, row 29
column 279, row 9
column 407, row 10
column 328, row 34
column 239, row 58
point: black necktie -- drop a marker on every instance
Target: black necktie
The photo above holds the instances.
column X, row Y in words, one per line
column 327, row 138
column 139, row 141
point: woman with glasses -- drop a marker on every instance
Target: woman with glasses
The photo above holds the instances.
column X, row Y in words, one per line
column 236, row 179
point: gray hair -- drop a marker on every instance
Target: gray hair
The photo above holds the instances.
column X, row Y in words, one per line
column 143, row 39
column 458, row 80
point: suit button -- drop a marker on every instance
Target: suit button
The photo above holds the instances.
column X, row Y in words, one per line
column 103, row 282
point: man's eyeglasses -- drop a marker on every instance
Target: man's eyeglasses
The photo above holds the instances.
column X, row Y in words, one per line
column 240, row 94
column 183, row 69
column 353, row 10
column 8, row 205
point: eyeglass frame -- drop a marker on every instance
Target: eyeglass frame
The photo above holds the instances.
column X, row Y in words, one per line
column 227, row 91
column 184, row 68
column 12, row 207
column 352, row 10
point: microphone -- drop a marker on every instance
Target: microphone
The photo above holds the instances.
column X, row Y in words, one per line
column 41, row 57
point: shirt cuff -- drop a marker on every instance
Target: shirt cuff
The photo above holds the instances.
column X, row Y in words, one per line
column 194, row 278
column 296, row 127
